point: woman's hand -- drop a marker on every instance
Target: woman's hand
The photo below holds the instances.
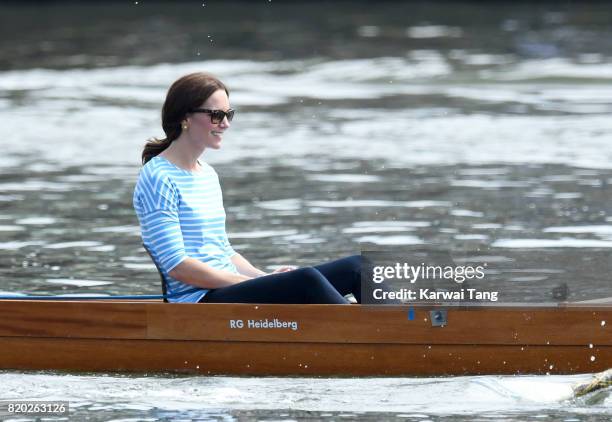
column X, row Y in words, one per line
column 284, row 269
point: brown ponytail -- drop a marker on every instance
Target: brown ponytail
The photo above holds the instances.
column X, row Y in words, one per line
column 154, row 147
column 187, row 93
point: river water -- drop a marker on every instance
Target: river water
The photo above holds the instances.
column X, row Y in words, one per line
column 481, row 130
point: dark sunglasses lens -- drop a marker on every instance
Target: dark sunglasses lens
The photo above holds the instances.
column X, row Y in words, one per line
column 217, row 116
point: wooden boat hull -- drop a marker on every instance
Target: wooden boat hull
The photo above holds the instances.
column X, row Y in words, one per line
column 327, row 340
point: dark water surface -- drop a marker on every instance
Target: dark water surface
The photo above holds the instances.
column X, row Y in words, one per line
column 71, row 34
column 476, row 129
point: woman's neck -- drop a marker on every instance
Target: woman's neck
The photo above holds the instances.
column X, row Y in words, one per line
column 181, row 153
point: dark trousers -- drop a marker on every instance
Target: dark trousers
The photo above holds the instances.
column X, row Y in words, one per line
column 325, row 283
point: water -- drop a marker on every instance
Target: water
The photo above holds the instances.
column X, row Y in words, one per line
column 480, row 130
column 221, row 398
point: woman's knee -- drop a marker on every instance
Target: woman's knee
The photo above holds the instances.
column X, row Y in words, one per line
column 355, row 262
column 309, row 273
column 312, row 279
column 318, row 288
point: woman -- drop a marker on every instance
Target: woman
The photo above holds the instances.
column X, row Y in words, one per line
column 179, row 205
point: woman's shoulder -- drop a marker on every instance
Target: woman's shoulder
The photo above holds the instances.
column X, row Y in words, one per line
column 156, row 187
column 155, row 170
column 159, row 165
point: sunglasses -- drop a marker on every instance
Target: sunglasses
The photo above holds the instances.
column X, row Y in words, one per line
column 216, row 116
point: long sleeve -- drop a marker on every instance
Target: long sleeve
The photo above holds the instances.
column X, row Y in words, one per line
column 158, row 200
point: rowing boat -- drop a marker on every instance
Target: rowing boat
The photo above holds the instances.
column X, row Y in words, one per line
column 343, row 340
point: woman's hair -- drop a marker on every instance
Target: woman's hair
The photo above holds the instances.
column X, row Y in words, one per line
column 187, row 93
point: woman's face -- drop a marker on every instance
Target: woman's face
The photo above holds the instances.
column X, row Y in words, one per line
column 202, row 129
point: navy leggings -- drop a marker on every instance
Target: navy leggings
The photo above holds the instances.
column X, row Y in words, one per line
column 325, row 283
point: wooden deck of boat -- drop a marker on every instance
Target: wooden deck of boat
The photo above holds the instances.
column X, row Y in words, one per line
column 329, row 339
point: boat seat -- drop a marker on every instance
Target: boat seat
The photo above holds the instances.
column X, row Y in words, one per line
column 161, row 274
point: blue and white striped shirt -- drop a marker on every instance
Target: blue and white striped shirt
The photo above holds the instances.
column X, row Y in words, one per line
column 181, row 215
